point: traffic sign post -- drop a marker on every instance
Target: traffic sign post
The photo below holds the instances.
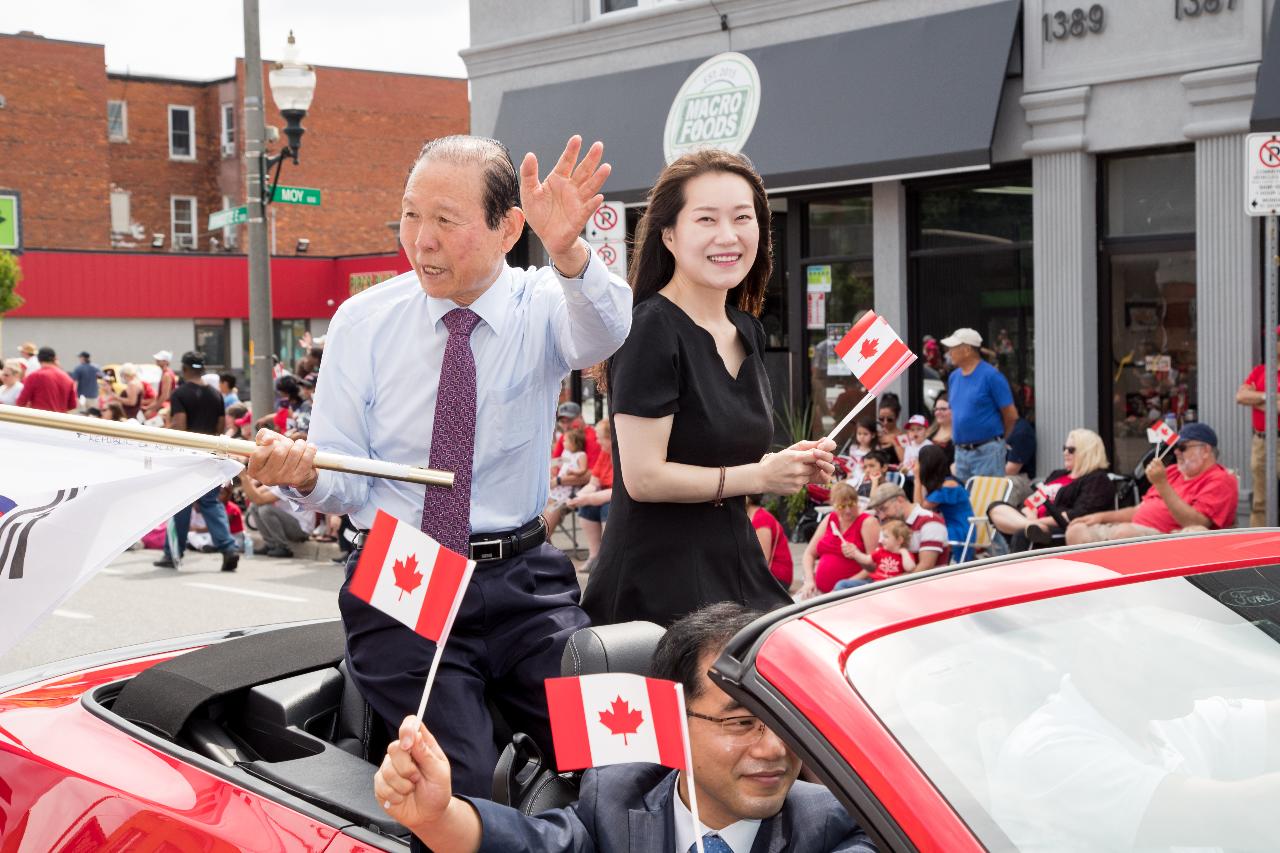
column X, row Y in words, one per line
column 606, row 233
column 297, row 195
column 1262, row 198
column 228, row 217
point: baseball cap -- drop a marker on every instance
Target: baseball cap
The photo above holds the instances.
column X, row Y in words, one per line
column 84, row 354
column 884, row 493
column 163, row 355
column 1196, row 431
column 193, row 359
column 963, row 336
column 918, row 420
column 210, row 379
column 568, row 409
column 244, row 419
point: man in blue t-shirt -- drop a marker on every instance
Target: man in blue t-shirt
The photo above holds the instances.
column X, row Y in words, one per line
column 982, row 410
column 86, row 374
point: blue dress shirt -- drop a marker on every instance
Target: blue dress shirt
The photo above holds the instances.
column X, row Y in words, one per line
column 376, row 396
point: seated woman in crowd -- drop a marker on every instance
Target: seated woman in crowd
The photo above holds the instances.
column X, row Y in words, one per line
column 937, row 490
column 891, row 437
column 773, row 540
column 1079, row 488
column 940, row 432
column 131, row 397
column 568, row 473
column 829, row 556
column 592, row 500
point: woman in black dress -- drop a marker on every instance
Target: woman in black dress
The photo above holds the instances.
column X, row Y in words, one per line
column 690, row 405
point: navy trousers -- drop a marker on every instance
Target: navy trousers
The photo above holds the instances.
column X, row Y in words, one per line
column 515, row 619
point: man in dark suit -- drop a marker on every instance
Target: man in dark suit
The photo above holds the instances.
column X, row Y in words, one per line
column 748, row 797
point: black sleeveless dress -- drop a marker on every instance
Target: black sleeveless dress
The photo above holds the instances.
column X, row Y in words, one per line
column 661, row 561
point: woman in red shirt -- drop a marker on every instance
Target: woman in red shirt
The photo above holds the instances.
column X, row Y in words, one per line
column 829, row 555
column 773, row 539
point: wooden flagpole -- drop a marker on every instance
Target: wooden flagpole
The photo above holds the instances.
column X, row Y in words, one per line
column 219, row 444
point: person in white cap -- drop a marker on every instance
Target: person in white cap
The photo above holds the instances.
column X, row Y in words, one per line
column 168, row 380
column 982, row 410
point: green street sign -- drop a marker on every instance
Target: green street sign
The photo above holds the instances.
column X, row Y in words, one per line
column 9, row 232
column 228, row 216
column 297, row 195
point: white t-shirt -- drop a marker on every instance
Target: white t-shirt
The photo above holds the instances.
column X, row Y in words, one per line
column 9, row 396
column 911, row 452
column 1067, row 779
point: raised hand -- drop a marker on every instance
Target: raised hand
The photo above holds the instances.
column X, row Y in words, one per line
column 558, row 208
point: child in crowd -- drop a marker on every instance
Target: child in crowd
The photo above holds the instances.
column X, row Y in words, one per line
column 572, row 461
column 889, row 560
column 864, row 442
column 874, row 466
column 917, row 426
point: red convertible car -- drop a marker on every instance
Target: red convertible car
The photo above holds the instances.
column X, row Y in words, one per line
column 1116, row 697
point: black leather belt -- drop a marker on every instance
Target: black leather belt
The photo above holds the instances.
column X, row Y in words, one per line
column 975, row 445
column 486, row 547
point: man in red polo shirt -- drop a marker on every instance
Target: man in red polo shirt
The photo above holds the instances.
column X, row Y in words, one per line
column 1253, row 393
column 1195, row 494
column 49, row 388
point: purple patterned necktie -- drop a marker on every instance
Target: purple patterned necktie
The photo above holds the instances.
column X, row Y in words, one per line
column 446, row 513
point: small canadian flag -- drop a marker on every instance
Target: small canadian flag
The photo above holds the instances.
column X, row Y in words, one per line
column 1037, row 498
column 874, row 352
column 1161, row 431
column 614, row 718
column 410, row 577
column 902, row 439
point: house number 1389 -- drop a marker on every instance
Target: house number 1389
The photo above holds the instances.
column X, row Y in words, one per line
column 1077, row 23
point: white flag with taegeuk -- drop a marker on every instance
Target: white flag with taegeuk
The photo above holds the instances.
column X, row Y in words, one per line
column 71, row 502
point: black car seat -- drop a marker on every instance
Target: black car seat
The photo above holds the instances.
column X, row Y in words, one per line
column 526, row 779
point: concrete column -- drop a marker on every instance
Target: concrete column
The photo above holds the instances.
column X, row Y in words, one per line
column 236, row 344
column 1064, row 210
column 889, row 261
column 1228, row 315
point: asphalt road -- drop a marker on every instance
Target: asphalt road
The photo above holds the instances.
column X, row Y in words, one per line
column 132, row 601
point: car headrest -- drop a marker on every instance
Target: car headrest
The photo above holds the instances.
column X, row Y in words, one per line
column 625, row 647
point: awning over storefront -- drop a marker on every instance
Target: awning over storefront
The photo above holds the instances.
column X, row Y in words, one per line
column 904, row 98
column 1266, row 99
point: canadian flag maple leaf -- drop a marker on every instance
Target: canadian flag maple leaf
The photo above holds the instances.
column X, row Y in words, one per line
column 622, row 719
column 868, row 347
column 407, row 576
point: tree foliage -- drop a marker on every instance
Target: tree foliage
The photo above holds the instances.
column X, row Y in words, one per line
column 10, row 275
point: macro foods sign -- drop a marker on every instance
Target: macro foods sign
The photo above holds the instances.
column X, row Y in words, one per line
column 715, row 108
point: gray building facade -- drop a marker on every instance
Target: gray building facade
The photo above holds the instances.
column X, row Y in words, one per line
column 1068, row 179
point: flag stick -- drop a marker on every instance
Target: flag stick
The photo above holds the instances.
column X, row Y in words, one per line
column 1163, row 451
column 444, row 636
column 688, row 769
column 862, row 404
column 220, row 444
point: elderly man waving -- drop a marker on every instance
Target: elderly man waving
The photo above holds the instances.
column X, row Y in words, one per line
column 458, row 366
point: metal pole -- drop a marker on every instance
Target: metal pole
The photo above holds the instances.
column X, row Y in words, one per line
column 1269, row 379
column 262, row 386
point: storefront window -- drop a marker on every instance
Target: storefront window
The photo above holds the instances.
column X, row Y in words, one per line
column 831, row 313
column 1149, row 293
column 213, row 338
column 835, row 273
column 972, row 266
column 1153, row 194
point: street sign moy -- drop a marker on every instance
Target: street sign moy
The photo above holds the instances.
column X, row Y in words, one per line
column 1262, row 174
column 297, row 195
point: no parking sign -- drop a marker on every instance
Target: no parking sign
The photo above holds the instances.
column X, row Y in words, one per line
column 607, row 235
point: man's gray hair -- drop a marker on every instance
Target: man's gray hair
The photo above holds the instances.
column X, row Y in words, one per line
column 501, row 183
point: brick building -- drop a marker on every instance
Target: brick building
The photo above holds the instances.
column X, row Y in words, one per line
column 134, row 165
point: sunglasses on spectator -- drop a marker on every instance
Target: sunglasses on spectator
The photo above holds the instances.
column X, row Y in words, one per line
column 888, row 420
column 1184, row 446
column 1066, row 448
column 942, row 408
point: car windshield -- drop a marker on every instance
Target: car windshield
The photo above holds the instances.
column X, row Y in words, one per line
column 1132, row 718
